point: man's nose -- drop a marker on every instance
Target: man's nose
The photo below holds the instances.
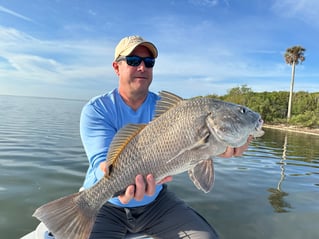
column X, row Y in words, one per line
column 141, row 67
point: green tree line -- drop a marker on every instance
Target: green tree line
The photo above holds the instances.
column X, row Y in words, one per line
column 273, row 105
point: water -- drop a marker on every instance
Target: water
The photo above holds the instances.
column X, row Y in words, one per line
column 271, row 192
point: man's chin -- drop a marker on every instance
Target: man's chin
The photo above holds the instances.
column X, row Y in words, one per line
column 142, row 82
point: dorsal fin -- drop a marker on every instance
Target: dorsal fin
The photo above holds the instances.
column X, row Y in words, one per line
column 168, row 100
column 120, row 140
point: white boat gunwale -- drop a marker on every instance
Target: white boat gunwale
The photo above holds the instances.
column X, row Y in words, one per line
column 41, row 232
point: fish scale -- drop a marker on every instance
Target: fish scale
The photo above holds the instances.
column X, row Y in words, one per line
column 184, row 136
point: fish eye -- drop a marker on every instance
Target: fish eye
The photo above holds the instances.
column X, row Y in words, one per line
column 243, row 110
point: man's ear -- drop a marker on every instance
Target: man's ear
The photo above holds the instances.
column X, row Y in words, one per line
column 116, row 67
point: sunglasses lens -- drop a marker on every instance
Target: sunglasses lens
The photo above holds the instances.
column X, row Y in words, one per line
column 133, row 60
column 149, row 62
column 136, row 61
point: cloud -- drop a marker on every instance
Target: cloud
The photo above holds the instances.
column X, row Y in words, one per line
column 207, row 3
column 304, row 10
column 29, row 62
column 86, row 64
column 15, row 14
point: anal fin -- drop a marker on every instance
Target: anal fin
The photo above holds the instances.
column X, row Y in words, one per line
column 202, row 175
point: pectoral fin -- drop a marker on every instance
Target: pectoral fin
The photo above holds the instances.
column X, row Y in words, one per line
column 202, row 175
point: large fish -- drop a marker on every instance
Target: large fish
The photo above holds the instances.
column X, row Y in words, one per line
column 184, row 136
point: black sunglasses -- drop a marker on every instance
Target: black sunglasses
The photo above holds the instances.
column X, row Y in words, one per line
column 136, row 60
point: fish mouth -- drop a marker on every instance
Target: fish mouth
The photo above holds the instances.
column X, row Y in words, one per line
column 258, row 132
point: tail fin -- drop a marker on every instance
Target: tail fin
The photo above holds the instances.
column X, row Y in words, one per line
column 68, row 217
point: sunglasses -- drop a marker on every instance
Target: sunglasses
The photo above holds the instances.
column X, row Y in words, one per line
column 136, row 61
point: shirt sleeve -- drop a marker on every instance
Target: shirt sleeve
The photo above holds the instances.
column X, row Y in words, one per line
column 97, row 132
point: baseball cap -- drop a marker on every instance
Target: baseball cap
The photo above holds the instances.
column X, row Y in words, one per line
column 128, row 44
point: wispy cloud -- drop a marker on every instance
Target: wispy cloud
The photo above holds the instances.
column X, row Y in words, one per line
column 87, row 65
column 304, row 10
column 13, row 13
column 30, row 61
column 207, row 3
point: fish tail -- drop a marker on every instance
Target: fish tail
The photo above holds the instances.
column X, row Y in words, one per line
column 68, row 217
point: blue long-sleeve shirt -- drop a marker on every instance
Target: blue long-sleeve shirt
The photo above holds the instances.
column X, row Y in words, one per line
column 100, row 119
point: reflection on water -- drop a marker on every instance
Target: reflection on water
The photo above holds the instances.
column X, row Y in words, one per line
column 42, row 158
column 276, row 198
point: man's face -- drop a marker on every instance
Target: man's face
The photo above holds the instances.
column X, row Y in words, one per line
column 136, row 79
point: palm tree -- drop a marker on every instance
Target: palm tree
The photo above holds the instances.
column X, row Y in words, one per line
column 293, row 57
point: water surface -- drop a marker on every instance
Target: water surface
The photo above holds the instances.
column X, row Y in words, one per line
column 270, row 192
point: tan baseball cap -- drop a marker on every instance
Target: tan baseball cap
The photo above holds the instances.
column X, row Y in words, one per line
column 128, row 44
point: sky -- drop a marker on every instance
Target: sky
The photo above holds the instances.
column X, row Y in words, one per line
column 65, row 48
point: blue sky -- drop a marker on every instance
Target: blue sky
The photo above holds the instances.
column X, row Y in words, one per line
column 64, row 48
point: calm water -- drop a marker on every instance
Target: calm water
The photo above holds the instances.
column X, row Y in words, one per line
column 270, row 192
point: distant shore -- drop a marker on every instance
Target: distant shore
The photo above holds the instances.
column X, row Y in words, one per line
column 293, row 128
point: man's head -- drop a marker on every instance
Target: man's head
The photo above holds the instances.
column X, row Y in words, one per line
column 134, row 59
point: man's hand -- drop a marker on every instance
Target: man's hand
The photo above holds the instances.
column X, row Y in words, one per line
column 138, row 190
column 141, row 188
column 236, row 151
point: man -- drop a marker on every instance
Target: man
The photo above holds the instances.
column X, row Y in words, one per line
column 147, row 206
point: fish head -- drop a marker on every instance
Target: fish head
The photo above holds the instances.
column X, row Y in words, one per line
column 232, row 124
